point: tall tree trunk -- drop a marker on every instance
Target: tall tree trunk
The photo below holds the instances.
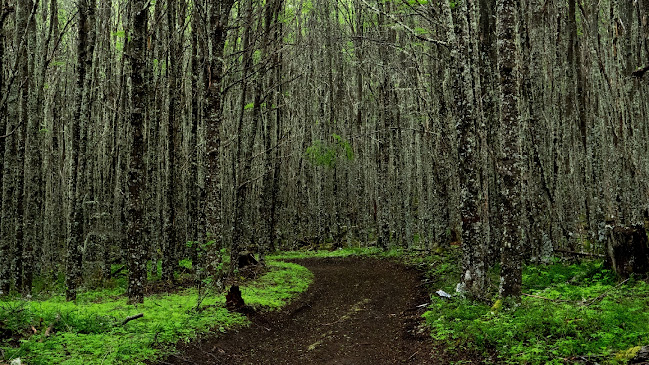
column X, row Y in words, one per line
column 48, row 223
column 218, row 16
column 9, row 168
column 278, row 61
column 173, row 177
column 383, row 201
column 510, row 162
column 242, row 218
column 136, row 170
column 267, row 209
column 474, row 276
column 24, row 15
column 4, row 241
column 194, row 180
column 78, row 144
column 32, row 165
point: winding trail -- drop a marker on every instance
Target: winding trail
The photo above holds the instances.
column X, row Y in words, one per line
column 357, row 311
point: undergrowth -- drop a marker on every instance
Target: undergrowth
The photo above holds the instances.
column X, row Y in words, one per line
column 342, row 252
column 571, row 313
column 90, row 331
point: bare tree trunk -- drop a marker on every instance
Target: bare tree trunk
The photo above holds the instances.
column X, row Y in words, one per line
column 383, row 201
column 194, row 180
column 10, row 169
column 173, row 177
column 218, row 15
column 32, row 165
column 510, row 162
column 278, row 60
column 4, row 240
column 268, row 209
column 136, row 171
column 23, row 16
column 243, row 232
column 78, row 146
column 474, row 276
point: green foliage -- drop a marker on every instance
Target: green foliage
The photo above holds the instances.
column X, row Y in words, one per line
column 185, row 263
column 120, row 40
column 90, row 331
column 256, row 57
column 343, row 252
column 277, row 287
column 319, row 154
column 576, row 311
column 151, row 273
column 416, row 239
column 345, row 147
column 307, row 7
column 326, row 154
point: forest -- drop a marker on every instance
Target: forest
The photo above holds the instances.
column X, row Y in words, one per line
column 153, row 145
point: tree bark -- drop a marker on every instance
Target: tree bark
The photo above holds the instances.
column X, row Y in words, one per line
column 510, row 162
column 78, row 142
column 173, row 176
column 218, row 16
column 463, row 106
column 136, row 169
column 4, row 242
column 24, row 14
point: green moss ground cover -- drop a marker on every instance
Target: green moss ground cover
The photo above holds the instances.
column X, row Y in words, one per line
column 90, row 331
column 573, row 313
column 343, row 252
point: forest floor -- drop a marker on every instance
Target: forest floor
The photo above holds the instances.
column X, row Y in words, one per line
column 357, row 311
column 350, row 306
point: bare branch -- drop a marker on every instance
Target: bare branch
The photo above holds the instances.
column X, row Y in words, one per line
column 410, row 30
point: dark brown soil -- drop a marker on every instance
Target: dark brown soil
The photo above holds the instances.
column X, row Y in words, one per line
column 357, row 311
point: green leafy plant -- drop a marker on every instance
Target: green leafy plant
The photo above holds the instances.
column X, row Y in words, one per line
column 91, row 330
column 569, row 312
column 327, row 154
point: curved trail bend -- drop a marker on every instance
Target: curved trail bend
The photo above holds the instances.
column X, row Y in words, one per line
column 357, row 311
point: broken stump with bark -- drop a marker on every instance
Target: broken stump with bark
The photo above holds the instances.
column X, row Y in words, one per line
column 628, row 250
column 246, row 259
column 233, row 299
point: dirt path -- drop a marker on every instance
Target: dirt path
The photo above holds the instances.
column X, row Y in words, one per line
column 357, row 311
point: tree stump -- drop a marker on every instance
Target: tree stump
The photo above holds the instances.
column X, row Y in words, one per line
column 246, row 259
column 628, row 250
column 233, row 299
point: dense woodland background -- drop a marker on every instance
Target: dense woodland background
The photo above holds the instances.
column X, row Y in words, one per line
column 154, row 131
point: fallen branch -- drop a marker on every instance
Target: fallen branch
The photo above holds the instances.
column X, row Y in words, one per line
column 128, row 319
column 49, row 329
column 544, row 298
column 605, row 293
column 413, row 355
